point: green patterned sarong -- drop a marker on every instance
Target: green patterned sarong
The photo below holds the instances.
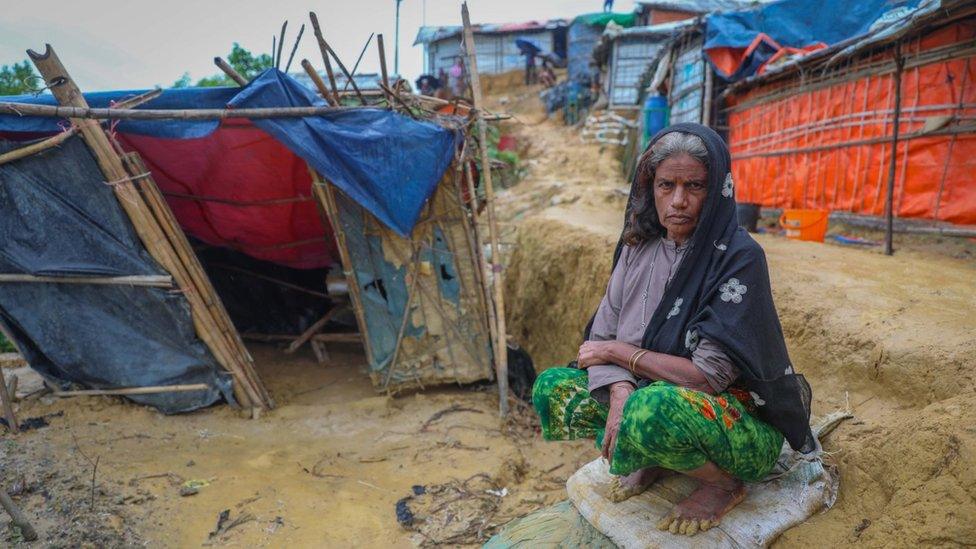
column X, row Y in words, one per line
column 663, row 425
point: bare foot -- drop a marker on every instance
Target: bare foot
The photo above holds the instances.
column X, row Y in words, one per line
column 635, row 483
column 704, row 508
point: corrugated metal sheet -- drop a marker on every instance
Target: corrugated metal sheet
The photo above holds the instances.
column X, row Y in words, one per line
column 497, row 53
column 631, row 57
column 696, row 6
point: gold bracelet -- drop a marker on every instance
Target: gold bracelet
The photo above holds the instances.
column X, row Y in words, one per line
column 632, row 363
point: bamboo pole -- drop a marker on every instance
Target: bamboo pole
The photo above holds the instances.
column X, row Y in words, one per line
column 34, row 148
column 324, row 49
column 230, row 72
column 893, row 164
column 146, row 226
column 294, row 48
column 60, row 138
column 311, row 331
column 230, row 341
column 501, row 351
column 480, row 258
column 19, row 520
column 319, row 84
column 359, row 59
column 324, row 192
column 379, row 45
column 135, row 390
column 150, row 281
column 79, row 112
column 8, row 405
column 281, row 45
column 328, row 51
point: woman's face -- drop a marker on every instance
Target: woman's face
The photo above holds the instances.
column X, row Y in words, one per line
column 680, row 185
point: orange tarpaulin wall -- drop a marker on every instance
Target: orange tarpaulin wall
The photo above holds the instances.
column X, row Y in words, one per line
column 824, row 141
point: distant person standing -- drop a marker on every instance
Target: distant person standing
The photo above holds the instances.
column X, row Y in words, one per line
column 607, row 5
column 530, row 75
column 456, row 78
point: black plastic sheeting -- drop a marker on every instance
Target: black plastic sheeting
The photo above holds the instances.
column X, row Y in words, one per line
column 58, row 217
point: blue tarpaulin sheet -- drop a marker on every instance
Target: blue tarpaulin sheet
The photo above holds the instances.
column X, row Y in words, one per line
column 387, row 162
column 794, row 23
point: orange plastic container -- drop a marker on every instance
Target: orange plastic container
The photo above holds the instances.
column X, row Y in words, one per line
column 805, row 224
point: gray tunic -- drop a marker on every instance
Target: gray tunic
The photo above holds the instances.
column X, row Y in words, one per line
column 625, row 311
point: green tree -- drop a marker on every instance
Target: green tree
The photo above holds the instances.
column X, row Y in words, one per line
column 18, row 78
column 243, row 61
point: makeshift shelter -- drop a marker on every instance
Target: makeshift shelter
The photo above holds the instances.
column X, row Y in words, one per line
column 582, row 36
column 626, row 55
column 656, row 12
column 495, row 44
column 818, row 131
column 106, row 291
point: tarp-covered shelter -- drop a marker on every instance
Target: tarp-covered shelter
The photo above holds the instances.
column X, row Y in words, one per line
column 495, row 44
column 71, row 249
column 816, row 131
column 583, row 35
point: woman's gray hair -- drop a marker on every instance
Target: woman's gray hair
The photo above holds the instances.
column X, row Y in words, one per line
column 643, row 222
column 672, row 144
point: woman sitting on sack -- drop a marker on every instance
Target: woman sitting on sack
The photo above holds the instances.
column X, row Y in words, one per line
column 685, row 367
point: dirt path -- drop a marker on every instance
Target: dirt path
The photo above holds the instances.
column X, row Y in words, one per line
column 327, row 467
column 892, row 337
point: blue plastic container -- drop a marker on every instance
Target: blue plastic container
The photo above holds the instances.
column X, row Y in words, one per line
column 655, row 113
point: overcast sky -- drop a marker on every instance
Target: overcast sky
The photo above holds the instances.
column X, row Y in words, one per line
column 139, row 44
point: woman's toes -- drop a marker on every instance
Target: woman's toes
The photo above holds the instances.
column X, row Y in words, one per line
column 705, row 525
column 674, row 526
column 664, row 523
column 683, row 527
column 692, row 528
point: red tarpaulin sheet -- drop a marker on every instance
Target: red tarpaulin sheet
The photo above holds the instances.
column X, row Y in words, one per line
column 240, row 188
column 803, row 145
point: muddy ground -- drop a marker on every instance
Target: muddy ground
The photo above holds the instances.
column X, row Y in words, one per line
column 892, row 338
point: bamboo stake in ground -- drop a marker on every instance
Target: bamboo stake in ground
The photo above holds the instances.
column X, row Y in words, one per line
column 501, row 350
column 8, row 405
column 892, row 166
column 19, row 520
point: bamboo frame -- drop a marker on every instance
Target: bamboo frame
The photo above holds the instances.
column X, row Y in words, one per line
column 135, row 390
column 79, row 112
column 501, row 350
column 324, row 49
column 149, row 281
column 157, row 228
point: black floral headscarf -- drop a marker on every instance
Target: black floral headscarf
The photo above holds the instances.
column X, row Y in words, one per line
column 721, row 291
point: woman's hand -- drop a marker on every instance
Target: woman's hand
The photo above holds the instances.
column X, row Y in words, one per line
column 593, row 353
column 619, row 393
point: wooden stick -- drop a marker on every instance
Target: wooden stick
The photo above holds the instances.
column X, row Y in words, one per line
column 281, row 45
column 359, row 59
column 60, row 138
column 893, row 164
column 271, row 279
column 385, row 78
column 311, row 331
column 231, row 347
column 479, row 255
column 135, row 390
column 294, row 48
column 8, row 406
column 324, row 49
column 86, row 112
column 501, row 351
column 40, row 146
column 19, row 520
column 325, row 193
column 328, row 51
column 149, row 229
column 319, row 84
column 151, row 281
column 229, row 71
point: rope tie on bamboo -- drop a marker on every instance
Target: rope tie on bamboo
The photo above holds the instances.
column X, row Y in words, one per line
column 129, row 179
